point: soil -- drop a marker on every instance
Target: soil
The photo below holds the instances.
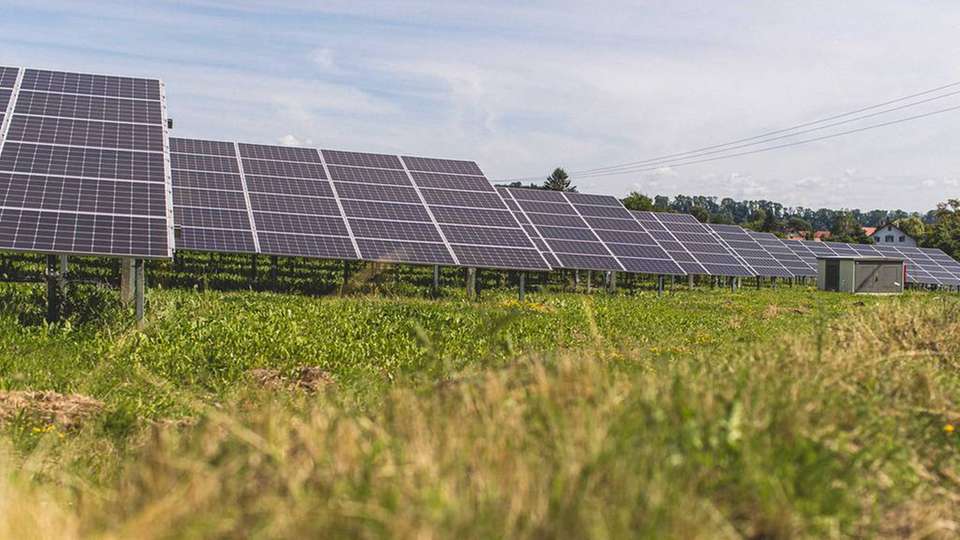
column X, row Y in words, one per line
column 65, row 411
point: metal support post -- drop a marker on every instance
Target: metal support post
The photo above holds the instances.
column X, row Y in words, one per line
column 471, row 283
column 576, row 280
column 435, row 289
column 611, row 282
column 253, row 268
column 660, row 285
column 126, row 281
column 690, row 281
column 54, row 292
column 523, row 286
column 273, row 268
column 589, row 281
column 345, row 284
column 138, row 288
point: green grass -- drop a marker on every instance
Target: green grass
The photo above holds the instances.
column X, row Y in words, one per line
column 204, row 342
column 777, row 413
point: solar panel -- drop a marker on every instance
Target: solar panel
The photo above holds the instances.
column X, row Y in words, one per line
column 783, row 254
column 692, row 245
column 749, row 251
column 384, row 209
column 210, row 207
column 82, row 165
column 472, row 217
column 921, row 267
column 590, row 232
column 925, row 266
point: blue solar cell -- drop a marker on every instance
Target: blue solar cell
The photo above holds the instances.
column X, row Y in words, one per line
column 361, row 159
column 207, row 198
column 206, row 180
column 395, row 230
column 410, row 252
column 207, row 148
column 541, row 195
column 279, row 153
column 573, row 246
column 215, row 240
column 642, row 252
column 523, row 259
column 473, row 216
column 302, row 245
column 652, row 266
column 452, row 181
column 289, row 204
column 370, row 176
column 614, row 224
column 587, row 262
column 472, row 199
column 377, row 192
column 556, row 220
column 442, row 166
column 386, row 211
column 300, row 224
column 289, row 186
column 603, row 211
column 600, row 200
column 546, row 207
column 567, row 233
column 211, row 218
column 487, row 236
column 283, row 169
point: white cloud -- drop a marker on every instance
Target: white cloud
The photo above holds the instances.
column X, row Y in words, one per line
column 512, row 86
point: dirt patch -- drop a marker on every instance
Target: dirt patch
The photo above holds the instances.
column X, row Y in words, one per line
column 65, row 411
column 309, row 379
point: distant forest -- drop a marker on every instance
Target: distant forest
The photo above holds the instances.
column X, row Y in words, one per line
column 939, row 228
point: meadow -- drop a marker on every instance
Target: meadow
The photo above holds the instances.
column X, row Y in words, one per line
column 772, row 413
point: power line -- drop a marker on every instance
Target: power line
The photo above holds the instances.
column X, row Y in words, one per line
column 687, row 154
column 771, row 139
column 777, row 147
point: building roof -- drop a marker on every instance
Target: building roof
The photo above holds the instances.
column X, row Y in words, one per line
column 869, row 230
column 821, row 235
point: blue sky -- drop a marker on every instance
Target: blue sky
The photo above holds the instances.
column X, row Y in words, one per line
column 521, row 87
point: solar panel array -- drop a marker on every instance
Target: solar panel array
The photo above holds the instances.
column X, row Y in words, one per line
column 86, row 168
column 343, row 205
column 589, row 232
column 692, row 245
column 83, row 166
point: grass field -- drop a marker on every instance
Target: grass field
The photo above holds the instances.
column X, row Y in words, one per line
column 775, row 413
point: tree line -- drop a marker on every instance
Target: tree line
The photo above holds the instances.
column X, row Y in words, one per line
column 938, row 228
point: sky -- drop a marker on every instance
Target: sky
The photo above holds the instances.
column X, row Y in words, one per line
column 522, row 87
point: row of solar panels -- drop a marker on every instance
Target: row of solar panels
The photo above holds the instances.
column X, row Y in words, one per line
column 87, row 167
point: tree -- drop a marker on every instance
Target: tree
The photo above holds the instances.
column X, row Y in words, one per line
column 799, row 225
column 701, row 213
column 661, row 203
column 913, row 226
column 944, row 234
column 559, row 180
column 638, row 201
column 847, row 229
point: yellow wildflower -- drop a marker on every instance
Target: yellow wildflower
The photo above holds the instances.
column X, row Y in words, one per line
column 948, row 428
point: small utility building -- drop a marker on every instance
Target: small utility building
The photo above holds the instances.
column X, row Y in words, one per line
column 869, row 275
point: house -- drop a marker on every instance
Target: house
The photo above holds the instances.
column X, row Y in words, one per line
column 869, row 230
column 889, row 234
column 821, row 236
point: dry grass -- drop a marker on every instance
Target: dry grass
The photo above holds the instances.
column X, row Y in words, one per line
column 833, row 435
